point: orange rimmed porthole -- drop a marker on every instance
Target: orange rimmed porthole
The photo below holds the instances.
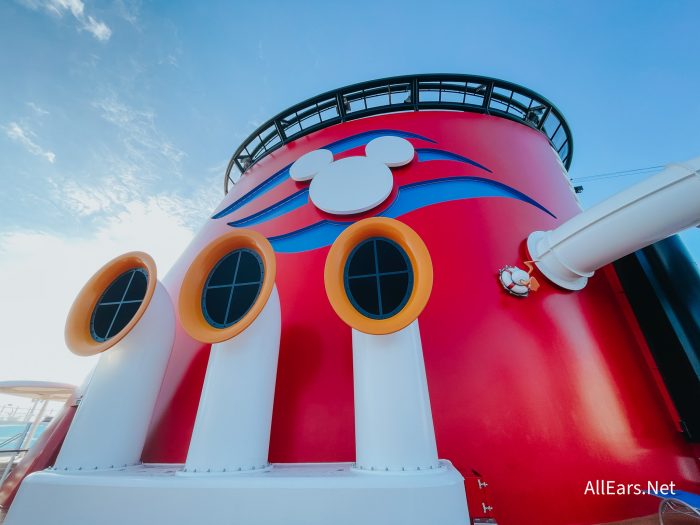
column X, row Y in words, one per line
column 227, row 286
column 110, row 304
column 375, row 255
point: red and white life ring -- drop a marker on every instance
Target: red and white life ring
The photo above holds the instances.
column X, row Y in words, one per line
column 516, row 281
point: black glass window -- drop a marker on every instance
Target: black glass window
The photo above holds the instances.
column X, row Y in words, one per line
column 378, row 278
column 232, row 288
column 118, row 304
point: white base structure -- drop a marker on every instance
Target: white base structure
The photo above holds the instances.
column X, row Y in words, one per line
column 647, row 212
column 393, row 421
column 289, row 494
column 110, row 426
column 232, row 429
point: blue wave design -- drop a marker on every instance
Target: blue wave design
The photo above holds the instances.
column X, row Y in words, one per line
column 428, row 154
column 363, row 138
column 317, row 235
column 426, row 193
column 256, row 192
column 339, row 146
column 294, row 201
column 688, row 497
column 409, row 198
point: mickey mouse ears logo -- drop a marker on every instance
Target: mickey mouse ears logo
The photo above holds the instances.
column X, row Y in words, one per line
column 353, row 184
column 357, row 184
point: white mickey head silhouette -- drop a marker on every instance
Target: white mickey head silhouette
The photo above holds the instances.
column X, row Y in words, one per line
column 353, row 184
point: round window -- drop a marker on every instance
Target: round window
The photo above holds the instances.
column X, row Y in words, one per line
column 378, row 278
column 118, row 304
column 232, row 288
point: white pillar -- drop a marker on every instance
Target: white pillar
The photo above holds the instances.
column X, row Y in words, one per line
column 393, row 421
column 35, row 425
column 110, row 425
column 647, row 212
column 232, row 429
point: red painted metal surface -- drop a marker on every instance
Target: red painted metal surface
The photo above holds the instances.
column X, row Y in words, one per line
column 478, row 496
column 540, row 395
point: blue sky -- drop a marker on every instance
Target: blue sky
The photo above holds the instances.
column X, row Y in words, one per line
column 117, row 118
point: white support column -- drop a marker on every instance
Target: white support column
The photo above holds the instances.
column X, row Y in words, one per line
column 393, row 421
column 110, row 425
column 35, row 424
column 647, row 212
column 232, row 429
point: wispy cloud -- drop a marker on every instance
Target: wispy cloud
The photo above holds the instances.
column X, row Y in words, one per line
column 83, row 200
column 129, row 10
column 25, row 137
column 169, row 59
column 114, row 194
column 146, row 150
column 219, row 168
column 141, row 162
column 97, row 28
column 38, row 110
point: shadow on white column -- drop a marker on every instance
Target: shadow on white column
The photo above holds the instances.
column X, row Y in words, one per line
column 232, row 429
column 113, row 417
column 393, row 421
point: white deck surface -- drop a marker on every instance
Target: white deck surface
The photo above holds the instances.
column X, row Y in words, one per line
column 294, row 494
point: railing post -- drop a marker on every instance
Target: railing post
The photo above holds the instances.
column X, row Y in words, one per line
column 487, row 96
column 544, row 117
column 280, row 131
column 414, row 93
column 341, row 106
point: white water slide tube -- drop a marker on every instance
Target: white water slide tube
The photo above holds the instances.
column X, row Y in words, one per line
column 643, row 214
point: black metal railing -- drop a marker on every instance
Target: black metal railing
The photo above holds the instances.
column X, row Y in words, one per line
column 406, row 93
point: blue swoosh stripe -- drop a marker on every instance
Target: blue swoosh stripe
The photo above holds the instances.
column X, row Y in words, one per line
column 687, row 497
column 409, row 198
column 287, row 205
column 317, row 235
column 339, row 146
column 426, row 154
column 260, row 189
column 363, row 138
column 426, row 193
column 294, row 201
